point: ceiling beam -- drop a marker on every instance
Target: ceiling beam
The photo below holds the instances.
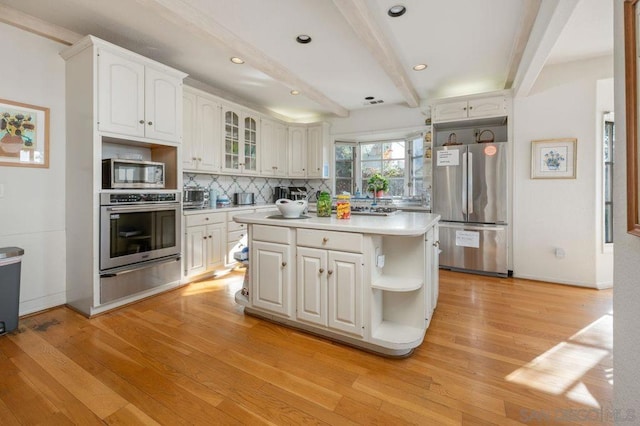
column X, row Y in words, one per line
column 197, row 21
column 525, row 25
column 551, row 19
column 37, row 26
column 358, row 15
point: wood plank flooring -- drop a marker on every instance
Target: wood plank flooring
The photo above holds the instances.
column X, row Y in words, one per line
column 498, row 351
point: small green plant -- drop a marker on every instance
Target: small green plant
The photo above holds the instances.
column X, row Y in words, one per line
column 377, row 182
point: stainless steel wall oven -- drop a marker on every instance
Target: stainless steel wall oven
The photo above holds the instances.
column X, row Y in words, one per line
column 140, row 241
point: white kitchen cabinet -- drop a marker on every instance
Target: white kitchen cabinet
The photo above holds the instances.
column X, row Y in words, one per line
column 317, row 151
column 272, row 269
column 273, row 148
column 236, row 235
column 136, row 98
column 201, row 135
column 297, row 151
column 329, row 282
column 240, row 141
column 205, row 243
column 495, row 106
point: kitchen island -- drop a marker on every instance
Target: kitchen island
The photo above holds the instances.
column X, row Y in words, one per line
column 367, row 281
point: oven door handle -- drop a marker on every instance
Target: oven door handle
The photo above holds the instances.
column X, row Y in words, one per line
column 146, row 208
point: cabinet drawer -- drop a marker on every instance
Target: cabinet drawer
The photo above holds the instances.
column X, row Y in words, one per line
column 331, row 240
column 234, row 226
column 235, row 236
column 205, row 219
column 273, row 234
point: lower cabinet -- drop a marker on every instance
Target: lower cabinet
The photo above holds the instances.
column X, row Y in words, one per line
column 205, row 243
column 272, row 280
column 329, row 289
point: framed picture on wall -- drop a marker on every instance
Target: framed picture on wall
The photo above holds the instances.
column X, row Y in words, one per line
column 24, row 135
column 553, row 159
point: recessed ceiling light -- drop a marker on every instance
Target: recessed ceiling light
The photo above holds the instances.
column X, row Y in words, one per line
column 420, row 67
column 294, row 92
column 303, row 39
column 397, row 10
column 236, row 60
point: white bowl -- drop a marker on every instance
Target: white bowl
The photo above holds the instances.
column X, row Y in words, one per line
column 291, row 209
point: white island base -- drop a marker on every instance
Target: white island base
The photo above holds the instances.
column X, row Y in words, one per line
column 369, row 281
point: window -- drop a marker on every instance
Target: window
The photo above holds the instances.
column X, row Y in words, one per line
column 416, row 158
column 386, row 158
column 608, row 142
column 345, row 167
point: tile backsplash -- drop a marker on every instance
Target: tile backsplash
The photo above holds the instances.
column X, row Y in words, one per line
column 260, row 186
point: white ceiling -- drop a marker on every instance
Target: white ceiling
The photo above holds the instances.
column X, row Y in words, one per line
column 470, row 46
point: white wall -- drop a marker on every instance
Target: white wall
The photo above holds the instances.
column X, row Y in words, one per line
column 626, row 295
column 32, row 212
column 560, row 213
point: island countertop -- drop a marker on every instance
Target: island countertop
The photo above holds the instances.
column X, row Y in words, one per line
column 401, row 223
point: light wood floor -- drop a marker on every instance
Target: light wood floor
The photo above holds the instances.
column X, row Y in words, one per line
column 499, row 351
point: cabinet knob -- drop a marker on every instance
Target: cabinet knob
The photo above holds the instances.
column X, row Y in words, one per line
column 284, row 264
column 194, row 158
column 150, row 123
column 329, row 272
column 210, row 236
column 436, row 244
column 321, row 270
column 199, row 159
column 141, row 121
column 324, row 240
column 204, row 238
column 206, row 218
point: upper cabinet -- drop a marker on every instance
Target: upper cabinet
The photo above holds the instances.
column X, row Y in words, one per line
column 317, row 151
column 137, row 97
column 297, row 151
column 201, row 132
column 495, row 106
column 273, row 148
column 240, row 141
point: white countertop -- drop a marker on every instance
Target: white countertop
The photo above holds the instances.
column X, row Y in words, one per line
column 408, row 224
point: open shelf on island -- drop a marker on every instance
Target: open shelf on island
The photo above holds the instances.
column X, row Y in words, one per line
column 397, row 283
column 394, row 332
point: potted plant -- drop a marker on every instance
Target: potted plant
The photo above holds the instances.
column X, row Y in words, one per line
column 378, row 184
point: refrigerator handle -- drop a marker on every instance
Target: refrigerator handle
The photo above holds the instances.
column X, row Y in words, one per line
column 464, row 183
column 469, row 200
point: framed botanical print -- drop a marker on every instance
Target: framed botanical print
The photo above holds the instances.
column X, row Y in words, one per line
column 24, row 135
column 553, row 159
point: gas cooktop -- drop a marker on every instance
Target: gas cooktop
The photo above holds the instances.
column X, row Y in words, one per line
column 374, row 211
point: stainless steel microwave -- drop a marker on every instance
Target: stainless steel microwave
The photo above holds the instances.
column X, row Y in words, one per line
column 131, row 174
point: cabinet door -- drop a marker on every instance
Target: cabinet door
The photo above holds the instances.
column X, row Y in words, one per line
column 249, row 162
column 196, row 249
column 163, row 106
column 268, row 151
column 487, row 107
column 297, row 151
column 209, row 117
column 216, row 244
column 314, row 152
column 271, row 276
column 279, row 149
column 231, row 141
column 189, row 132
column 450, row 111
column 120, row 95
column 311, row 267
column 344, row 279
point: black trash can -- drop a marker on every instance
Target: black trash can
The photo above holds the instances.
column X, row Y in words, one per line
column 10, row 262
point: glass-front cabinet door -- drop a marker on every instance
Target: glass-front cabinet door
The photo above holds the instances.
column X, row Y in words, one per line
column 240, row 142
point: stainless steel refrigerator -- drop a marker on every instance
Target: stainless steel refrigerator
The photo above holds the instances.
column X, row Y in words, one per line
column 470, row 195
